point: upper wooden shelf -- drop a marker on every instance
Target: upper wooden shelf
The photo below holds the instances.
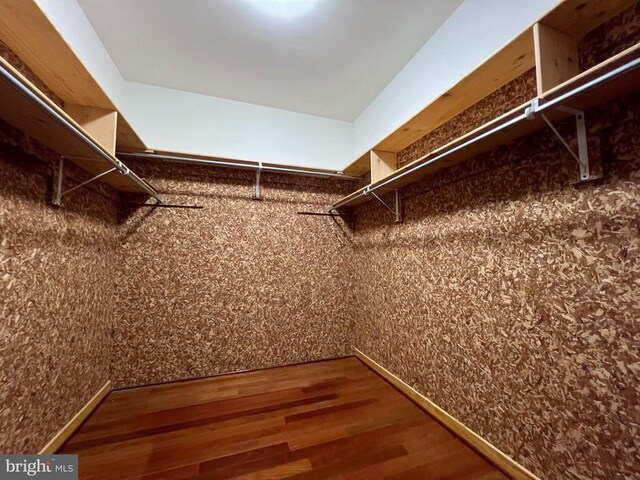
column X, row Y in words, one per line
column 27, row 31
column 579, row 92
column 573, row 18
column 194, row 158
column 36, row 115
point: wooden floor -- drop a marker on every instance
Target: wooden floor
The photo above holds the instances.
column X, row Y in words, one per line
column 324, row 420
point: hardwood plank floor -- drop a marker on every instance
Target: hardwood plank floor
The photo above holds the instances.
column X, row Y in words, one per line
column 335, row 419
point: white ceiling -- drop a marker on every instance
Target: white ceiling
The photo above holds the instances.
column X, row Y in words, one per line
column 329, row 58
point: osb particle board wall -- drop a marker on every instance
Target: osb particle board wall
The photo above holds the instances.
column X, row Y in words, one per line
column 240, row 284
column 509, row 296
column 510, row 299
column 181, row 293
column 56, row 284
column 619, row 33
column 142, row 296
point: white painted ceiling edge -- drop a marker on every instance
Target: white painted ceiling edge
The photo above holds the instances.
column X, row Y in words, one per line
column 168, row 119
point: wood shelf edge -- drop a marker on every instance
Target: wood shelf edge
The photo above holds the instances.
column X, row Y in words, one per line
column 412, row 132
column 35, row 122
column 248, row 163
column 46, row 99
column 574, row 18
column 584, row 76
column 28, row 31
column 610, row 64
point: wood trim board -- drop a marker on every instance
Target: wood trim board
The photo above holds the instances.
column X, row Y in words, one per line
column 99, row 122
column 382, row 164
column 498, row 458
column 65, row 432
column 556, row 57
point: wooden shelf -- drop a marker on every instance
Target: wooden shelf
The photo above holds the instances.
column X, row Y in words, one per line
column 26, row 30
column 572, row 18
column 36, row 120
column 233, row 162
column 513, row 125
column 251, row 165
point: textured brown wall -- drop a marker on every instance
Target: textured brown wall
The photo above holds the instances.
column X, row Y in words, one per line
column 141, row 296
column 610, row 38
column 184, row 293
column 56, row 284
column 509, row 296
column 240, row 284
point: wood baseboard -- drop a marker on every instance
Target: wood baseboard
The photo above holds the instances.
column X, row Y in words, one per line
column 65, row 432
column 501, row 460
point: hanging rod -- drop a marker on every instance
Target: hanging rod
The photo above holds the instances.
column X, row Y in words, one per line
column 117, row 164
column 538, row 105
column 247, row 166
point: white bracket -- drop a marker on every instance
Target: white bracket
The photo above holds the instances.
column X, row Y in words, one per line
column 396, row 211
column 57, row 200
column 582, row 157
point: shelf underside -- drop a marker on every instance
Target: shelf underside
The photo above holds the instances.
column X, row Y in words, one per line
column 29, row 33
column 24, row 113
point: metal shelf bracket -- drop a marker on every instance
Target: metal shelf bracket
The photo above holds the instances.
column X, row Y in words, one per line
column 396, row 211
column 582, row 157
column 59, row 193
column 258, row 192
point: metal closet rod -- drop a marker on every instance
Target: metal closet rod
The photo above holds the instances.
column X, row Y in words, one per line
column 34, row 97
column 536, row 107
column 248, row 166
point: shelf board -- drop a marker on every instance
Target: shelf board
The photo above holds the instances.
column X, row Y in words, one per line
column 572, row 17
column 239, row 164
column 616, row 87
column 251, row 164
column 515, row 59
column 22, row 112
column 26, row 30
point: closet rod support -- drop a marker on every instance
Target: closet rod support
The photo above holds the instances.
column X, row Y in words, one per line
column 258, row 191
column 320, row 214
column 396, row 211
column 60, row 193
column 582, row 156
column 57, row 199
